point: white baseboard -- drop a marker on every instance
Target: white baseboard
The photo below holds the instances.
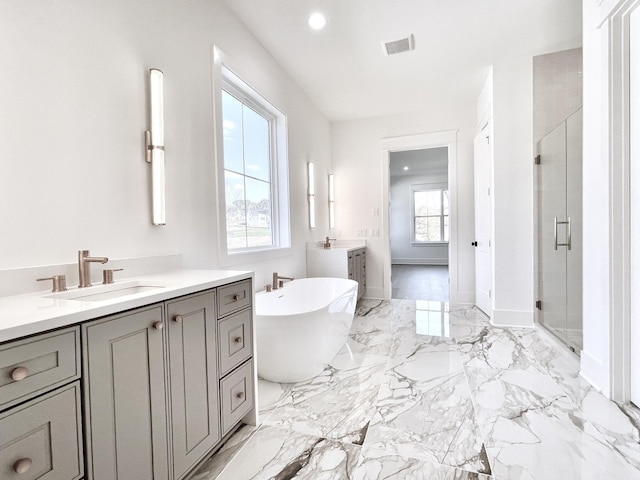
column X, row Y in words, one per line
column 462, row 298
column 420, row 261
column 512, row 318
column 595, row 372
column 374, row 292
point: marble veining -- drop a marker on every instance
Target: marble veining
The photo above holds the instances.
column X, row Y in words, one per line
column 431, row 391
column 283, row 455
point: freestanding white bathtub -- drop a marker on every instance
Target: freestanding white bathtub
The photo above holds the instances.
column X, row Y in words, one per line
column 301, row 326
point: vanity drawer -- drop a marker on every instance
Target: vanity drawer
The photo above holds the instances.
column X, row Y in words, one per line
column 35, row 365
column 236, row 391
column 234, row 340
column 42, row 438
column 234, row 297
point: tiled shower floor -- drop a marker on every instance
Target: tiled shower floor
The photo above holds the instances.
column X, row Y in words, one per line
column 423, row 393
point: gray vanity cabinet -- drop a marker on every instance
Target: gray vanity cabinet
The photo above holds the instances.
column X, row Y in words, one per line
column 40, row 414
column 125, row 401
column 339, row 262
column 193, row 379
column 357, row 266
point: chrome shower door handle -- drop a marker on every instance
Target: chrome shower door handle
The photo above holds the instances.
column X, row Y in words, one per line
column 555, row 233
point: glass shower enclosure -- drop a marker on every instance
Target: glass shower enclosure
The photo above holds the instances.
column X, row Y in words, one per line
column 559, row 231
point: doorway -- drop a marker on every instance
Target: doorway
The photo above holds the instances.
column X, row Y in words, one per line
column 419, row 223
column 391, row 145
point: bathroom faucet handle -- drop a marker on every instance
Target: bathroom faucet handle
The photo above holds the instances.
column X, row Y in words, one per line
column 107, row 275
column 268, row 287
column 59, row 282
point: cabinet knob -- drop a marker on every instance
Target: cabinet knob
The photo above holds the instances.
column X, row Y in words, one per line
column 240, row 395
column 237, row 340
column 236, row 297
column 22, row 466
column 177, row 318
column 19, row 373
column 158, row 325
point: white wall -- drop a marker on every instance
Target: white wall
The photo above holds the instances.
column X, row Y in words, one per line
column 358, row 167
column 400, row 221
column 73, row 97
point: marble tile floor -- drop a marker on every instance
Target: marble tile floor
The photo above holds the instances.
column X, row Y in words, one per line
column 421, row 392
column 420, row 282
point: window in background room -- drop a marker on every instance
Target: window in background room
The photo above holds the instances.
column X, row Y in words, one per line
column 430, row 215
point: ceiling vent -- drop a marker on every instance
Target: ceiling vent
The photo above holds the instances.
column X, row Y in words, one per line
column 398, row 46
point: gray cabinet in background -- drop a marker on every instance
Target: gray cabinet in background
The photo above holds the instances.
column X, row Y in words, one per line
column 338, row 262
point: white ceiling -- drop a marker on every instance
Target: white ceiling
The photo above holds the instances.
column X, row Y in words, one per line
column 419, row 162
column 343, row 69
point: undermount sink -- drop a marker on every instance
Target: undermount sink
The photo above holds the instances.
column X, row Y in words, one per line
column 107, row 292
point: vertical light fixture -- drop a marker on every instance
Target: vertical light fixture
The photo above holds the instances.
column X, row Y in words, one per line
column 154, row 146
column 332, row 203
column 312, row 195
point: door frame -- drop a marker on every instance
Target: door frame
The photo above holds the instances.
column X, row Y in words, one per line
column 620, row 253
column 422, row 141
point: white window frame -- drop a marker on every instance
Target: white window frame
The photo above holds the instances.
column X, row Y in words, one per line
column 225, row 78
column 428, row 187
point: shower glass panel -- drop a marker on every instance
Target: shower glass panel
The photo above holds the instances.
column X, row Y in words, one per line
column 559, row 222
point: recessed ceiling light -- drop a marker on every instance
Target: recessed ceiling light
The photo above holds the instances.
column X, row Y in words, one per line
column 317, row 21
column 406, row 168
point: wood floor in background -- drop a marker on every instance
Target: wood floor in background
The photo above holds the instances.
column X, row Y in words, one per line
column 420, row 282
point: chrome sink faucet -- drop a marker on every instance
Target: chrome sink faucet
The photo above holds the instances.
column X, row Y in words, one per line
column 84, row 272
column 327, row 243
column 277, row 277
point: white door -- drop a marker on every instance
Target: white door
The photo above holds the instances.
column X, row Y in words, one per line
column 634, row 193
column 483, row 219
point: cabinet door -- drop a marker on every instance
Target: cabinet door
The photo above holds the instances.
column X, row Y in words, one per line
column 362, row 285
column 125, row 404
column 357, row 266
column 193, row 379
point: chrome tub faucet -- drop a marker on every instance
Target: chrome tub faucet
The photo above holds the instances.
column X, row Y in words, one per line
column 277, row 277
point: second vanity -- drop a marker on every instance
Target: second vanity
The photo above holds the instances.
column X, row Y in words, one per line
column 141, row 384
column 343, row 259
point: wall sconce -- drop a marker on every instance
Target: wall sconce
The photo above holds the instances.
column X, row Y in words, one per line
column 312, row 196
column 154, row 145
column 332, row 203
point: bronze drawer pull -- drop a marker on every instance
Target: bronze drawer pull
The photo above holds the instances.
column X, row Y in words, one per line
column 19, row 373
column 22, row 466
column 237, row 340
column 240, row 395
column 236, row 297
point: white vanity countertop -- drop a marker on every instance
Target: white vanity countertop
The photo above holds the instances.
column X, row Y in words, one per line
column 342, row 245
column 22, row 315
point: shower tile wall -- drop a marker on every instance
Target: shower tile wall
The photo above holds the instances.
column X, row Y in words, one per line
column 557, row 89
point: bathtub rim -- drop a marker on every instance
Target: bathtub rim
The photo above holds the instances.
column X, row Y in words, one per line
column 353, row 285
